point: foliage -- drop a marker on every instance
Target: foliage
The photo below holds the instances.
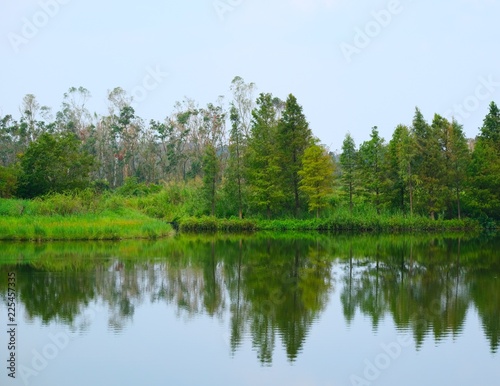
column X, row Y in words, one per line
column 317, row 177
column 187, row 165
column 293, row 137
column 263, row 162
column 349, row 164
column 54, row 163
column 8, row 181
column 211, row 170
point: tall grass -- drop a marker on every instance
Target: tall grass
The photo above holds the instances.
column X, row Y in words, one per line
column 77, row 216
column 83, row 227
column 134, row 213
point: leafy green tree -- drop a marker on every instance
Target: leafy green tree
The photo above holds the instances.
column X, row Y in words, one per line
column 294, row 136
column 264, row 168
column 348, row 162
column 430, row 164
column 8, row 181
column 54, row 163
column 458, row 160
column 234, row 182
column 211, row 169
column 370, row 163
column 490, row 130
column 484, row 169
column 316, row 176
column 400, row 177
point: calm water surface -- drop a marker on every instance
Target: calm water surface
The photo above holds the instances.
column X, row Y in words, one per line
column 267, row 309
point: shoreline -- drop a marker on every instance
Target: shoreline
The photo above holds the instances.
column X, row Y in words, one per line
column 132, row 226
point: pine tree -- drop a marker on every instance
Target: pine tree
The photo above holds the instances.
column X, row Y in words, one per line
column 234, row 182
column 430, row 164
column 485, row 167
column 294, row 136
column 348, row 162
column 370, row 164
column 458, row 160
column 396, row 186
column 316, row 176
column 211, row 168
column 490, row 130
column 263, row 167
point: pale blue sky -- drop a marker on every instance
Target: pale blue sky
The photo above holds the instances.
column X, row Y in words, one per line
column 431, row 54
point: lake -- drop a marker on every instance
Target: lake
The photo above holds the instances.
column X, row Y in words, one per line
column 264, row 309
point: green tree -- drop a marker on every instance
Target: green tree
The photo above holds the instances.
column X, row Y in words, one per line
column 264, row 168
column 399, row 169
column 316, row 176
column 490, row 130
column 211, row 169
column 54, row 163
column 370, row 164
column 430, row 164
column 294, row 136
column 484, row 169
column 8, row 181
column 458, row 159
column 234, row 182
column 348, row 162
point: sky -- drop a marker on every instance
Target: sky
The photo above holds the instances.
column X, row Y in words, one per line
column 351, row 64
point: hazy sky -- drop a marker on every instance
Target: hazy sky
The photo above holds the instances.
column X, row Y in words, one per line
column 351, row 64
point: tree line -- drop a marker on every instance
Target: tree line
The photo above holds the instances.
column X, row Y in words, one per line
column 255, row 157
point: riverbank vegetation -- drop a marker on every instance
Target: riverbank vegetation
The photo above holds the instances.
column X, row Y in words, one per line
column 251, row 164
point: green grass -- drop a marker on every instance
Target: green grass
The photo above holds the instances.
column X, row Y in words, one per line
column 82, row 227
column 338, row 223
column 112, row 216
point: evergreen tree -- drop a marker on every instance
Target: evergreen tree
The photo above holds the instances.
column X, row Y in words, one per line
column 406, row 151
column 370, row 164
column 211, row 168
column 490, row 130
column 430, row 164
column 458, row 159
column 317, row 176
column 294, row 136
column 234, row 181
column 263, row 162
column 485, row 167
column 348, row 162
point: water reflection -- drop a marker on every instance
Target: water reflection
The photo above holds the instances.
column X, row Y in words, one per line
column 273, row 287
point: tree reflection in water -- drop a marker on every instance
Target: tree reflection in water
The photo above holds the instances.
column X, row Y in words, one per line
column 273, row 286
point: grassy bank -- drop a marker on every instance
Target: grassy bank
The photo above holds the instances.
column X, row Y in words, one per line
column 111, row 216
column 332, row 224
column 86, row 227
column 66, row 217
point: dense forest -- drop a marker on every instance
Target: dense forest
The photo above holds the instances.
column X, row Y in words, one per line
column 255, row 156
